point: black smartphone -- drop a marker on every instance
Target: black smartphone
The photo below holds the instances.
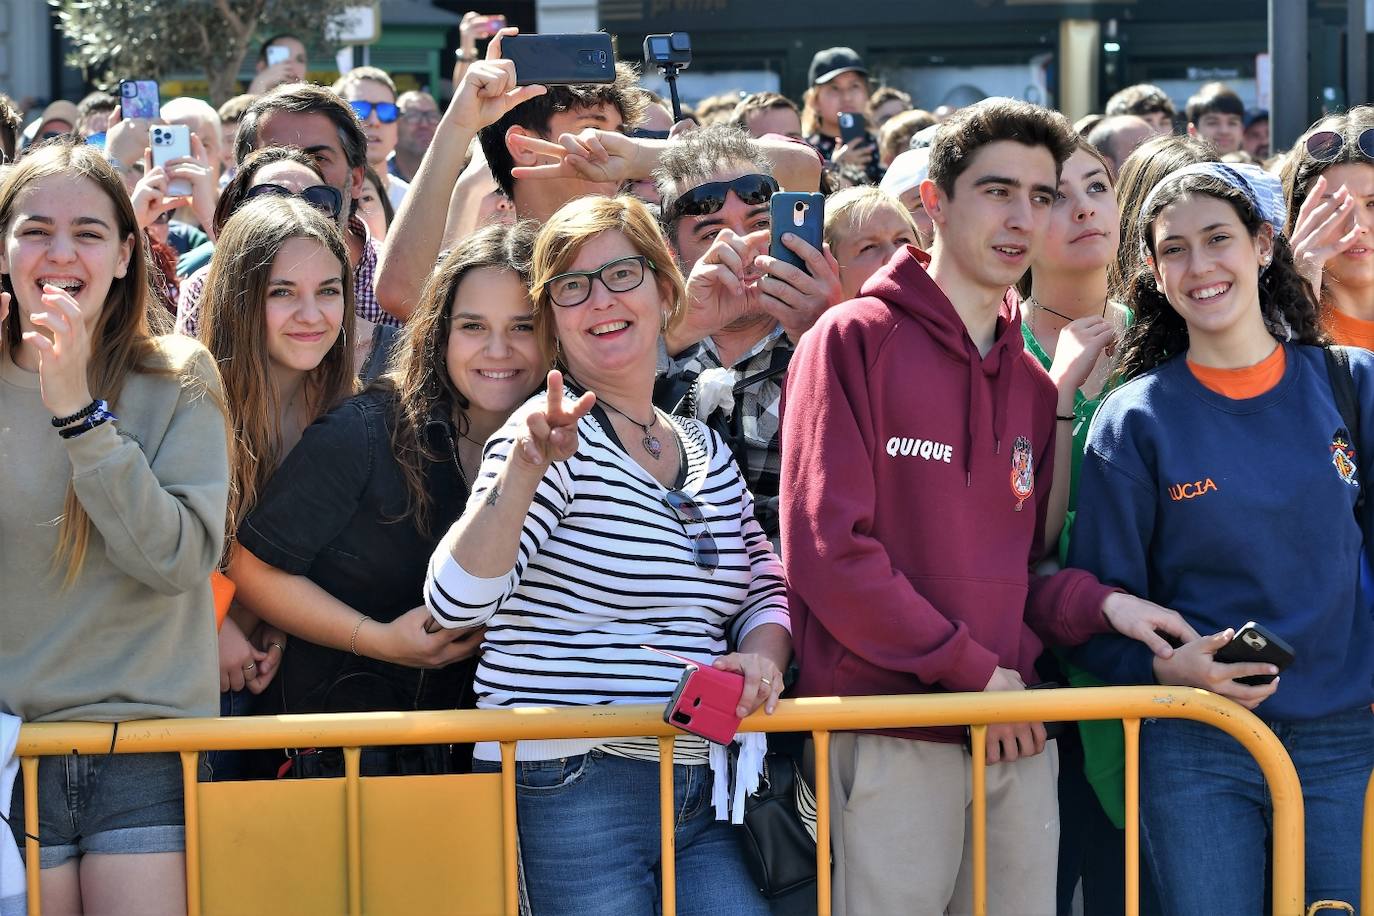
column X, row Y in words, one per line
column 852, row 126
column 561, row 60
column 1254, row 643
column 802, row 215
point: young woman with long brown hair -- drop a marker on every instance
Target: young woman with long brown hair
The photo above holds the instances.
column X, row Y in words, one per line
column 277, row 315
column 336, row 550
column 121, row 436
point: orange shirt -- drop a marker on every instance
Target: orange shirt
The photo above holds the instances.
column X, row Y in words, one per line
column 1347, row 330
column 1239, row 384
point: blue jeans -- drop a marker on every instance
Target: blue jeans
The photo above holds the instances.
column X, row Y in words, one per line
column 1206, row 814
column 589, row 839
column 225, row 766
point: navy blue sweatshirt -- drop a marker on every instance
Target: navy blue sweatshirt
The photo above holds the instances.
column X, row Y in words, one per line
column 1235, row 510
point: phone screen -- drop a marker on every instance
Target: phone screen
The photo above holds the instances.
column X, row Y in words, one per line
column 277, row 54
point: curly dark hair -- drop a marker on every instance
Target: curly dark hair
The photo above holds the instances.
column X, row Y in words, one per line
column 1159, row 332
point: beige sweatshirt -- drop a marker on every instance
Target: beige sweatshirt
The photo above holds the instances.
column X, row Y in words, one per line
column 133, row 637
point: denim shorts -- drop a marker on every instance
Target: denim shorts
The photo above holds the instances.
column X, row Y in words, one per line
column 104, row 804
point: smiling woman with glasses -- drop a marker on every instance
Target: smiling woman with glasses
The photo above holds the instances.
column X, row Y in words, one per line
column 1328, row 180
column 597, row 528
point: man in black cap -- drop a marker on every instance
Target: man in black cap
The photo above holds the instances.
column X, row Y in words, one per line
column 839, row 84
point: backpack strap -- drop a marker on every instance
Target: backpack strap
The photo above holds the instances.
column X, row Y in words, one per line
column 1348, row 403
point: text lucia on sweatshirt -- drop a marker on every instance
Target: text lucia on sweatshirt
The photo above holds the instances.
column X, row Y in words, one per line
column 919, row 448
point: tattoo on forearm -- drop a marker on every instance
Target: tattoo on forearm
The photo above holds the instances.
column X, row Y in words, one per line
column 493, row 494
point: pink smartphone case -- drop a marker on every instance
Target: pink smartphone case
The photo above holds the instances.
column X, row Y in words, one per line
column 705, row 701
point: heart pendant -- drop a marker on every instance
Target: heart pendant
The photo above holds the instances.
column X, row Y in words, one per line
column 653, row 447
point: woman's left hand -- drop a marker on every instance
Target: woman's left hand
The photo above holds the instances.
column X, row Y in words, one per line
column 762, row 681
column 64, row 352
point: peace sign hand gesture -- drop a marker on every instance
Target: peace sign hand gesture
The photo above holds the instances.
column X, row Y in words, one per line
column 550, row 432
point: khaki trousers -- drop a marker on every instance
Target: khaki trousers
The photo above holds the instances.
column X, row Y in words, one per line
column 901, row 829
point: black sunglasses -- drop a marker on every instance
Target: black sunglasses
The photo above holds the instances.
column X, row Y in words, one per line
column 1326, row 145
column 619, row 276
column 705, row 554
column 320, row 196
column 752, row 190
column 387, row 112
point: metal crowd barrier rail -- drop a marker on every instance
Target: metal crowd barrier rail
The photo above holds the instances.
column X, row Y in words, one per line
column 441, row 816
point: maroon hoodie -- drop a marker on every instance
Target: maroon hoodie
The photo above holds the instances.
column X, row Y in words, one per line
column 915, row 480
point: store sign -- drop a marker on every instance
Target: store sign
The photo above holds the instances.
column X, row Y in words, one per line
column 356, row 25
column 1213, row 73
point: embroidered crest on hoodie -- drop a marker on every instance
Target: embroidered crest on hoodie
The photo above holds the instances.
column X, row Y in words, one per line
column 1022, row 471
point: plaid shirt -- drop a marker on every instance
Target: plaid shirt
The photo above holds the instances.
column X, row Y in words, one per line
column 365, row 303
column 752, row 429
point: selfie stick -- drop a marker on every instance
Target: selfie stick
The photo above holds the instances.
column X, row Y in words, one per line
column 670, row 72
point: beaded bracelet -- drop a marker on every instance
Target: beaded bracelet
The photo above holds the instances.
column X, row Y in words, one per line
column 353, row 640
column 102, row 415
column 81, row 414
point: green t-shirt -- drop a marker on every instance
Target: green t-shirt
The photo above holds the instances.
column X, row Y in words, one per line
column 1104, row 748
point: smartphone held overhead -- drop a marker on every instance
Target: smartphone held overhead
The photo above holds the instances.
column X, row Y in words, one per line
column 139, row 99
column 168, row 142
column 561, row 60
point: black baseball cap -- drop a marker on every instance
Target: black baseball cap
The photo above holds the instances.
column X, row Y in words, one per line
column 831, row 62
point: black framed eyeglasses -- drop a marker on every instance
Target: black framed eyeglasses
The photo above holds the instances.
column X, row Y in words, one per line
column 320, row 196
column 705, row 553
column 619, row 276
column 387, row 112
column 1326, row 145
column 708, row 198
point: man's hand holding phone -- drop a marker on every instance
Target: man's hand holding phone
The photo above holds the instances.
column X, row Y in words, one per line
column 488, row 90
column 798, row 297
column 1010, row 741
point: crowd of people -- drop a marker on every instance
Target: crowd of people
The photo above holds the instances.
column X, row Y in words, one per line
column 415, row 407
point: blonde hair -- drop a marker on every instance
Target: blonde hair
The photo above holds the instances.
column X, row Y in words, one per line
column 234, row 329
column 122, row 341
column 580, row 221
column 856, row 206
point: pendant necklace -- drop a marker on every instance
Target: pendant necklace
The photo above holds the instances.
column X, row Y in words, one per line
column 1032, row 304
column 650, row 441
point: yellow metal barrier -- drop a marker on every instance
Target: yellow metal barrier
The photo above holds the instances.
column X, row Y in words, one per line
column 314, row 824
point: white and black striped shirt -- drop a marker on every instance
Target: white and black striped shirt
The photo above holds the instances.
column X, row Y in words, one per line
column 604, row 566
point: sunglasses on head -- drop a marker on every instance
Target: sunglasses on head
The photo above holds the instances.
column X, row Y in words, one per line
column 387, row 112
column 1326, row 145
column 320, row 196
column 708, row 198
column 705, row 553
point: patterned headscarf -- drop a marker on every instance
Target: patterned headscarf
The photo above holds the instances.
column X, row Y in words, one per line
column 1263, row 190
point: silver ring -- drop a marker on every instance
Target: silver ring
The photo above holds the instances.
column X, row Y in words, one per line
column 766, row 681
column 278, row 646
column 250, row 666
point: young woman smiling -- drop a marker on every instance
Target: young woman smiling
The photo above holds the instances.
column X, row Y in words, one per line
column 106, row 614
column 336, row 550
column 1329, row 182
column 277, row 316
column 1230, row 402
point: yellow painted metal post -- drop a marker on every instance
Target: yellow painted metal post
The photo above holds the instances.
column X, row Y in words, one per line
column 29, row 765
column 822, row 745
column 353, row 820
column 667, row 819
column 190, row 785
column 1367, row 866
column 979, row 752
column 509, row 849
column 1131, row 728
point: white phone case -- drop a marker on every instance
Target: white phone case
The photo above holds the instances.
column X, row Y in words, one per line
column 168, row 142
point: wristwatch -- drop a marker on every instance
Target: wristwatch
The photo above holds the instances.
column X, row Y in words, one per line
column 467, row 57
